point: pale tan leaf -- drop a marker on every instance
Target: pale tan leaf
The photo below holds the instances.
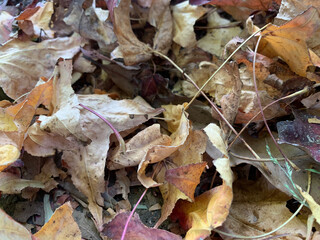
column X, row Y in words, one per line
column 23, row 63
column 11, row 230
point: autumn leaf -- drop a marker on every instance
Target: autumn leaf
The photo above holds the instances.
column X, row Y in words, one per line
column 10, row 229
column 209, row 211
column 184, row 17
column 188, row 158
column 15, row 120
column 186, row 178
column 160, row 152
column 23, row 63
column 86, row 162
column 60, row 226
column 136, row 229
column 252, row 4
column 289, row 40
column 301, row 133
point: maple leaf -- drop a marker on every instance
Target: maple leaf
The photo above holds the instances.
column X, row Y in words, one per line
column 289, row 40
column 209, row 210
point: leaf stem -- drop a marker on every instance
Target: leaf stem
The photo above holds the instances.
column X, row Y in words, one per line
column 120, row 139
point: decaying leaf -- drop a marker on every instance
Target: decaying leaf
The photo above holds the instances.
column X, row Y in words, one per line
column 136, row 229
column 60, row 226
column 184, row 17
column 23, row 63
column 209, row 210
column 133, row 50
column 301, row 133
column 289, row 40
column 252, row 4
column 86, row 161
column 10, row 229
column 182, row 186
column 160, row 152
column 137, row 147
column 258, row 208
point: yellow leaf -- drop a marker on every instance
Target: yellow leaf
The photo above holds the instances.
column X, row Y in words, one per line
column 60, row 226
column 8, row 155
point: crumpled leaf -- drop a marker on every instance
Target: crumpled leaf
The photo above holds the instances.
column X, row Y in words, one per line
column 91, row 23
column 314, row 206
column 184, row 17
column 217, row 149
column 239, row 154
column 86, row 162
column 289, row 40
column 133, row 50
column 160, row 17
column 23, row 63
column 209, row 211
column 301, row 133
column 187, row 157
column 60, row 226
column 216, row 39
column 160, row 152
column 15, row 121
column 137, row 147
column 258, row 208
column 6, row 20
column 40, row 18
column 186, row 178
column 264, row 5
column 136, row 229
column 10, row 229
column 12, row 184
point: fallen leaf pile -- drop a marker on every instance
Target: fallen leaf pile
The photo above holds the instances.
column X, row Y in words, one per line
column 104, row 133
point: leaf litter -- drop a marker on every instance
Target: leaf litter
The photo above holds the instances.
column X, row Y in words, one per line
column 105, row 135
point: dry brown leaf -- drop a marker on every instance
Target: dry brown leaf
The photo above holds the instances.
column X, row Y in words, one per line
column 289, row 40
column 189, row 153
column 217, row 149
column 160, row 17
column 6, row 20
column 60, row 226
column 91, row 23
column 15, row 121
column 160, row 152
column 133, row 50
column 216, row 38
column 23, row 63
column 86, row 162
column 40, row 20
column 258, row 208
column 184, row 17
column 137, row 147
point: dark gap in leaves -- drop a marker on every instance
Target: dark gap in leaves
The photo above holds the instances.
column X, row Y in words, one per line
column 292, row 205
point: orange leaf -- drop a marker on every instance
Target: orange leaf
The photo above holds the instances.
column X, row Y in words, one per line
column 209, row 211
column 289, row 40
column 60, row 226
column 186, row 178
